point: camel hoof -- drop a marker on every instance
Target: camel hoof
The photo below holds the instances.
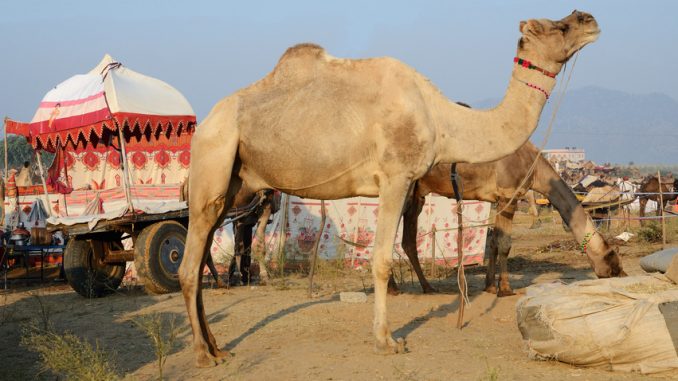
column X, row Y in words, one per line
column 400, row 345
column 430, row 290
column 503, row 293
column 390, row 347
column 491, row 289
column 205, row 360
column 222, row 355
column 393, row 291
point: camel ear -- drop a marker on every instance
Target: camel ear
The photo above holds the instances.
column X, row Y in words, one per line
column 533, row 26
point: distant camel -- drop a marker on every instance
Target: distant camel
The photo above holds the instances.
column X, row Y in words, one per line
column 496, row 182
column 328, row 128
column 649, row 190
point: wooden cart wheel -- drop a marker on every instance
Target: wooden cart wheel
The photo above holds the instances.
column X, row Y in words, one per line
column 86, row 275
column 158, row 251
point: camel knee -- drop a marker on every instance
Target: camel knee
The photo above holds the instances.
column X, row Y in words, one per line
column 382, row 271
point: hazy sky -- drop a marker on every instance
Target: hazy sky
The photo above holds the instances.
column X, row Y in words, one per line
column 208, row 49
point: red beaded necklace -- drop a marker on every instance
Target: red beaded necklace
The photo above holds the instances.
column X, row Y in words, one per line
column 532, row 85
column 528, row 65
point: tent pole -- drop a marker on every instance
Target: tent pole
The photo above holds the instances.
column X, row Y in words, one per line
column 44, row 184
column 4, row 128
column 126, row 178
column 4, row 183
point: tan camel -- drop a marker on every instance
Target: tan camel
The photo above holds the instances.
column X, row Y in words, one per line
column 649, row 190
column 329, row 128
column 496, row 182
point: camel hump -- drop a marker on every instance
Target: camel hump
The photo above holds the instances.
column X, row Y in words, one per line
column 298, row 62
column 301, row 50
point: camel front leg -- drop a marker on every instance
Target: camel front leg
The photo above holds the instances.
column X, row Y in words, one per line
column 211, row 191
column 503, row 229
column 200, row 228
column 391, row 201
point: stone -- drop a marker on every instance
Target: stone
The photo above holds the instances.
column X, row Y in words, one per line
column 353, row 297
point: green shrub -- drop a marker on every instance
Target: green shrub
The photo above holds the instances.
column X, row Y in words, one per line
column 650, row 233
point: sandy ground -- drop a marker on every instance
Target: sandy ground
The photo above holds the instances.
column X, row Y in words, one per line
column 277, row 332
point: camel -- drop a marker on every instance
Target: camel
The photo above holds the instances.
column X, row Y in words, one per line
column 249, row 209
column 328, row 128
column 497, row 182
column 649, row 190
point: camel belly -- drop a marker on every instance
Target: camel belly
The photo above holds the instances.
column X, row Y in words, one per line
column 312, row 180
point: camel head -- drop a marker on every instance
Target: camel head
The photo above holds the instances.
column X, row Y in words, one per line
column 551, row 43
column 610, row 265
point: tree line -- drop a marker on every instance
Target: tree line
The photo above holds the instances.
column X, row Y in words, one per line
column 20, row 151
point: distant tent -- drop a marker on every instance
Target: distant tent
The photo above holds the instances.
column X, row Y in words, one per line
column 82, row 120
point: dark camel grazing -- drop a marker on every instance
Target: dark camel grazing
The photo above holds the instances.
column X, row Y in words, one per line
column 328, row 128
column 651, row 185
column 496, row 182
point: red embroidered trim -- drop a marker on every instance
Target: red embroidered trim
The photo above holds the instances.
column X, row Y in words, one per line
column 135, row 124
column 185, row 158
column 162, row 158
column 139, row 160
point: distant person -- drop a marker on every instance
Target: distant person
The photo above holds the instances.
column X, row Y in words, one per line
column 25, row 178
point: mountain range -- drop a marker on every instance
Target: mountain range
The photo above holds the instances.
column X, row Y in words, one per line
column 612, row 126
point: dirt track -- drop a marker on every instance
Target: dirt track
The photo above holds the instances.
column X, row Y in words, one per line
column 277, row 332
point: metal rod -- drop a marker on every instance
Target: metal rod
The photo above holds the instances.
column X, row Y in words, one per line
column 316, row 244
column 660, row 208
column 4, row 128
column 283, row 231
column 460, row 264
column 433, row 251
column 125, row 169
column 44, row 184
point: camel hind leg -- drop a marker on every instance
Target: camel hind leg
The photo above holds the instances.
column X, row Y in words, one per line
column 409, row 244
column 212, row 187
column 259, row 249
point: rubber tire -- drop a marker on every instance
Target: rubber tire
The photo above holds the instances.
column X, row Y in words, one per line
column 87, row 278
column 152, row 243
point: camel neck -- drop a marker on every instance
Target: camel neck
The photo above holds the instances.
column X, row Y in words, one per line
column 487, row 135
column 560, row 195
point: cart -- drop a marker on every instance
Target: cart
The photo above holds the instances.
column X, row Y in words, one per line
column 122, row 149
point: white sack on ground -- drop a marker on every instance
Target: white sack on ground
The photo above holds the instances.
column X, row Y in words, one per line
column 626, row 324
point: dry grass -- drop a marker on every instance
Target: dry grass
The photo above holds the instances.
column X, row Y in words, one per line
column 162, row 333
column 65, row 355
column 650, row 288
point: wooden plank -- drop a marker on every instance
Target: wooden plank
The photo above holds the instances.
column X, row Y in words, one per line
column 118, row 223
